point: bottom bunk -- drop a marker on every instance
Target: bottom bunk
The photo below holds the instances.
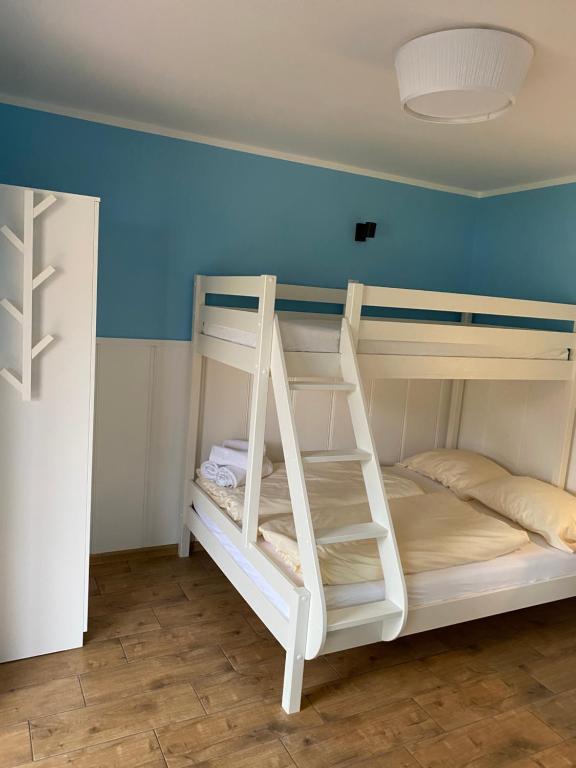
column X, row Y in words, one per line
column 530, row 572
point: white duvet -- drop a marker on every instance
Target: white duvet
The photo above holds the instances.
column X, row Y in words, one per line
column 433, row 531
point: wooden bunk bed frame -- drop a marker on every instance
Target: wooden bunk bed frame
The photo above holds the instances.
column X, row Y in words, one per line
column 297, row 615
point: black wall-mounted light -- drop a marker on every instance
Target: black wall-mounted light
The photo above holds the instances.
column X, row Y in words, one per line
column 365, row 230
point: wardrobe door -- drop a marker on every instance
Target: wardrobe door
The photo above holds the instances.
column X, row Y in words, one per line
column 46, row 437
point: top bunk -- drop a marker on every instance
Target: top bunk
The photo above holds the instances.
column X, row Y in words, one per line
column 399, row 333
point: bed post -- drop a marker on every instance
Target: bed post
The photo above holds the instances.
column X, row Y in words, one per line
column 196, row 368
column 456, row 399
column 258, row 403
column 353, row 308
column 568, row 437
column 295, row 656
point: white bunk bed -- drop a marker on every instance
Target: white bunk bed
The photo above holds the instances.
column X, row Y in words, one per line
column 324, row 352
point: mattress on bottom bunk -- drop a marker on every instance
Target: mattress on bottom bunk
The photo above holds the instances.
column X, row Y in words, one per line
column 537, row 562
column 534, row 563
column 318, row 333
column 434, row 528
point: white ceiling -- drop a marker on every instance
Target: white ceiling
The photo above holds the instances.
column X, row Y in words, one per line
column 308, row 77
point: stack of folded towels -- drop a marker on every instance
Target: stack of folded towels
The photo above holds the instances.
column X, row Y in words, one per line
column 228, row 463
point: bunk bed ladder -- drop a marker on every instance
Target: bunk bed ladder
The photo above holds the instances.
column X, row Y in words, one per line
column 316, row 626
column 389, row 614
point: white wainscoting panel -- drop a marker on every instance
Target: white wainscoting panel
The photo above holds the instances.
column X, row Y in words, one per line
column 140, row 430
column 406, row 416
column 141, row 422
column 518, row 424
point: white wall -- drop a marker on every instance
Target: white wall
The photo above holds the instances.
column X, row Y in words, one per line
column 519, row 424
column 139, row 438
column 406, row 416
column 141, row 399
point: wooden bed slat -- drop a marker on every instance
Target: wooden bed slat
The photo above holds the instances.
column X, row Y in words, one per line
column 515, row 340
column 310, row 293
column 490, row 368
column 462, row 302
column 242, row 319
column 227, row 352
column 233, row 286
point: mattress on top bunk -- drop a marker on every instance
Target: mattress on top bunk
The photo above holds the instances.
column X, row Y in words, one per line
column 317, row 333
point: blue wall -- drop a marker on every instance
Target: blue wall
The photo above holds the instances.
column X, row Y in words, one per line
column 525, row 245
column 171, row 208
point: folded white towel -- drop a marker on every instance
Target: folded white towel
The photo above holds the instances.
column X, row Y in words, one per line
column 239, row 445
column 209, row 470
column 228, row 457
column 230, row 477
column 234, row 477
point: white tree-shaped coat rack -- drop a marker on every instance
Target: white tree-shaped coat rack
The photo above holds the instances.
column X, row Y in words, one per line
column 25, row 246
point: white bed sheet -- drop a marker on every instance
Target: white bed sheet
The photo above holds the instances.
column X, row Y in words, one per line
column 318, row 333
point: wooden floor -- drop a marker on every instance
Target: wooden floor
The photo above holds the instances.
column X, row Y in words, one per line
column 177, row 671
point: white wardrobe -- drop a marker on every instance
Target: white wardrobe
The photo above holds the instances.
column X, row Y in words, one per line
column 48, row 262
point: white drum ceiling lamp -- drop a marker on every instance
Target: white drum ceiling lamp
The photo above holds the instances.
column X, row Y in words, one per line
column 462, row 75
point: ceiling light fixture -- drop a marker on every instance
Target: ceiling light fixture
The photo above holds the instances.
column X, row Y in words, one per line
column 462, row 75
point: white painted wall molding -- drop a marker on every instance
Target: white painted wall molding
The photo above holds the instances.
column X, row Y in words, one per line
column 141, row 415
column 196, row 138
column 133, row 125
column 140, row 431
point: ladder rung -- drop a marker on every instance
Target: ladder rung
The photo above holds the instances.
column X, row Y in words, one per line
column 354, row 454
column 354, row 532
column 356, row 615
column 322, row 386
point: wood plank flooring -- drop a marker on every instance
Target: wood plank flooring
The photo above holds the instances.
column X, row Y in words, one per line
column 177, row 671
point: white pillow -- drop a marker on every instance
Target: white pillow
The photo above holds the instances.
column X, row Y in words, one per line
column 454, row 468
column 535, row 505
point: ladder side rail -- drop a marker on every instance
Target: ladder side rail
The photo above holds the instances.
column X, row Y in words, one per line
column 353, row 309
column 377, row 498
column 196, row 375
column 456, row 400
column 311, row 573
column 259, row 399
